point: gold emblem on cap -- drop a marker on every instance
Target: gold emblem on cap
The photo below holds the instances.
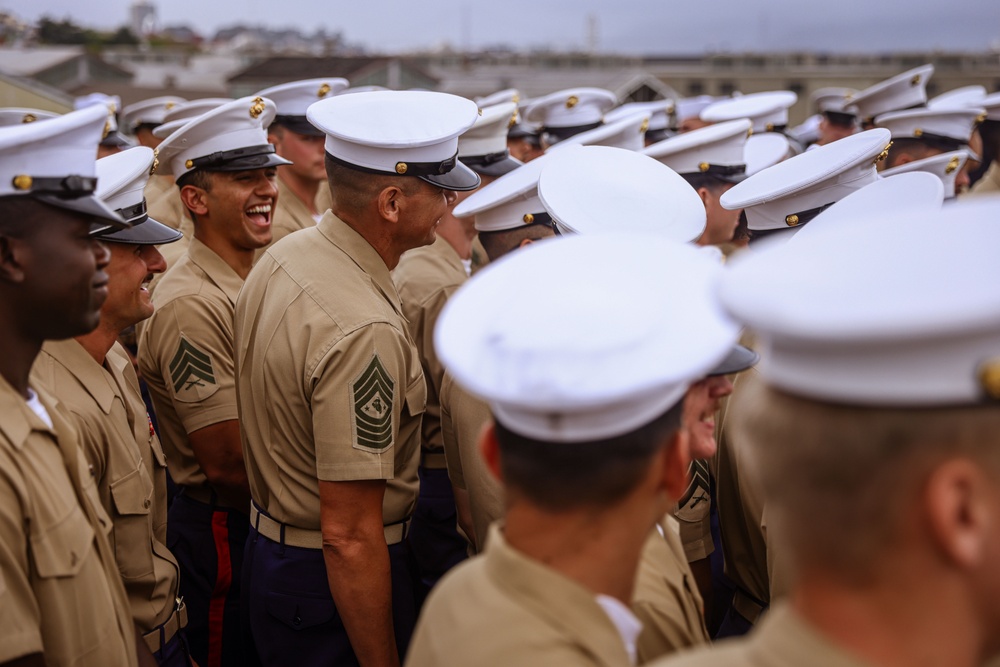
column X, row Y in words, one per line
column 884, row 154
column 769, row 127
column 169, row 105
column 323, row 91
column 189, row 163
column 918, row 132
column 572, row 101
column 792, row 220
column 848, row 97
column 644, row 126
column 528, row 218
column 29, row 118
column 980, row 118
column 513, row 120
column 156, row 162
column 22, row 182
column 915, row 81
column 112, row 108
column 257, row 107
column 749, row 132
column 400, row 167
column 107, row 129
column 952, row 165
column 479, row 110
column 515, row 99
column 989, row 378
column 669, row 108
column 703, row 166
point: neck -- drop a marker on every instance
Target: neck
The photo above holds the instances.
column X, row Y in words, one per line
column 239, row 260
column 458, row 233
column 378, row 235
column 303, row 188
column 890, row 623
column 598, row 548
column 99, row 341
column 20, row 349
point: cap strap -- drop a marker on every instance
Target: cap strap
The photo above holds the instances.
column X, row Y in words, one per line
column 67, row 186
column 221, row 158
column 719, row 170
column 405, row 168
column 485, row 160
column 802, row 217
column 134, row 214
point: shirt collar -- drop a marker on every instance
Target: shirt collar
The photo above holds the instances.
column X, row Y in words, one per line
column 216, row 269
column 19, row 421
column 361, row 253
column 91, row 376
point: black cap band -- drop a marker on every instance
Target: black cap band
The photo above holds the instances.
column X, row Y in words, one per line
column 67, row 186
column 405, row 168
column 237, row 159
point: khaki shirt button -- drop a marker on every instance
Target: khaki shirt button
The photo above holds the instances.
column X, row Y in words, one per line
column 146, row 503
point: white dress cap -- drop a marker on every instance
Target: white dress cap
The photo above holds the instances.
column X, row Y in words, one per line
column 599, row 190
column 509, row 202
column 547, row 360
column 716, row 150
column 483, row 147
column 689, row 107
column 180, row 114
column 902, row 91
column 405, row 132
column 121, row 178
column 966, row 96
column 950, row 125
column 767, row 111
column 292, row 100
column 231, row 137
column 916, row 192
column 765, row 150
column 149, row 112
column 793, row 192
column 658, row 111
column 807, row 132
column 946, row 166
column 914, row 328
column 992, row 105
column 18, row 116
column 831, row 99
column 113, row 104
column 628, row 133
column 499, row 97
column 572, row 108
column 54, row 161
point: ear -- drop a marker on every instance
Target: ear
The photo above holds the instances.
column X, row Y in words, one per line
column 391, row 202
column 675, row 463
column 195, row 199
column 490, row 450
column 901, row 158
column 11, row 268
column 957, row 503
column 705, row 195
column 525, row 242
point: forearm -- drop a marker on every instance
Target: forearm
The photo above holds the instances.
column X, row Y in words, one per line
column 359, row 576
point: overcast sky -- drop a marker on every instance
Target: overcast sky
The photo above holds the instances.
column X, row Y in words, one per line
column 623, row 26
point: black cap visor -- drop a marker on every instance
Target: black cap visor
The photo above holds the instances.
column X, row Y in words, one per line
column 88, row 205
column 460, row 179
column 488, row 165
column 739, row 359
column 145, row 232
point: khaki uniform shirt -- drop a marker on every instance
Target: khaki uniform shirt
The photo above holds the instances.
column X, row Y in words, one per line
column 186, row 354
column 330, row 385
column 666, row 597
column 783, row 639
column 128, row 467
column 463, row 417
column 425, row 278
column 163, row 203
column 503, row 609
column 290, row 215
column 60, row 593
column 989, row 184
column 694, row 514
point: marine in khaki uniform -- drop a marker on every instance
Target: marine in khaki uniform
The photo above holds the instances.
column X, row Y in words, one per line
column 226, row 173
column 331, row 389
column 988, row 181
column 298, row 141
column 588, row 465
column 875, row 439
column 94, row 379
column 61, row 599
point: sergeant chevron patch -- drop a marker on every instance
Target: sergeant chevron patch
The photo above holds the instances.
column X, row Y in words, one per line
column 372, row 395
column 696, row 502
column 190, row 368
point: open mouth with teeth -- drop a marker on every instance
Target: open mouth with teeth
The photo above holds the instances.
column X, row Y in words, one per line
column 144, row 286
column 259, row 215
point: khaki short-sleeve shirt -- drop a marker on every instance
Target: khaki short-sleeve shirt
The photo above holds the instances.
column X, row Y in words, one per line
column 330, row 385
column 186, row 354
column 782, row 639
column 694, row 513
column 60, row 593
column 666, row 598
column 502, row 608
column 163, row 202
column 290, row 214
column 425, row 278
column 128, row 467
column 463, row 417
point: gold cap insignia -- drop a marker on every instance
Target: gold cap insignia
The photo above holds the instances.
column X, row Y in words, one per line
column 989, row 378
column 257, row 108
column 669, row 108
column 29, row 118
column 479, row 110
column 169, row 105
column 515, row 99
column 513, row 120
column 112, row 108
column 704, row 166
column 749, row 132
column 792, row 220
column 644, row 126
column 400, row 167
column 572, row 101
column 915, row 81
column 107, row 129
column 848, row 97
column 156, row 162
column 189, row 164
column 884, row 154
column 22, row 182
column 980, row 118
column 528, row 218
column 918, row 132
column 323, row 91
column 769, row 127
column 952, row 165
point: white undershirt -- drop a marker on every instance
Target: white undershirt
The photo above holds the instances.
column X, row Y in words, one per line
column 467, row 264
column 39, row 409
column 625, row 622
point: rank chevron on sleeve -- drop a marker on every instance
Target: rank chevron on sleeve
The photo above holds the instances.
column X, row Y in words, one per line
column 190, row 367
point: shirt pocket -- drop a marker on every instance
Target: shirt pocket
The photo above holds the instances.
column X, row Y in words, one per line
column 133, row 497
column 60, row 550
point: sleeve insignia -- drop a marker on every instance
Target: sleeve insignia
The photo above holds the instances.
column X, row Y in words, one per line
column 695, row 502
column 190, row 369
column 372, row 396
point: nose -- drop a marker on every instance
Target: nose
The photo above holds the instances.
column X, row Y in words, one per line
column 267, row 186
column 155, row 263
column 721, row 386
column 102, row 255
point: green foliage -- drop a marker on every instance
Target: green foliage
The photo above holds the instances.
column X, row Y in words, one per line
column 51, row 31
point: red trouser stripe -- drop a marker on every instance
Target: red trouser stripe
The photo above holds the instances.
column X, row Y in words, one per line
column 223, row 580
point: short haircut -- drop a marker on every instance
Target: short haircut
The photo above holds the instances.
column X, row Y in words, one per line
column 560, row 476
column 837, row 479
column 919, row 148
column 18, row 214
column 353, row 190
column 499, row 243
column 198, row 178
